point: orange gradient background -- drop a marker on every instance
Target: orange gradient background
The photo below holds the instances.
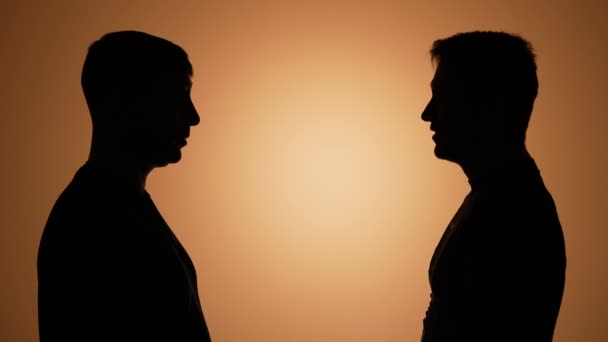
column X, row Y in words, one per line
column 308, row 197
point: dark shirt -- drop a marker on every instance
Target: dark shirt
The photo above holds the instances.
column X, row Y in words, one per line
column 110, row 268
column 498, row 272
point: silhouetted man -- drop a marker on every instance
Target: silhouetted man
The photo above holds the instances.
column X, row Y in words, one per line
column 109, row 267
column 498, row 272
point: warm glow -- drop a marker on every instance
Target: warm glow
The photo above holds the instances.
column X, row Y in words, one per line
column 308, row 197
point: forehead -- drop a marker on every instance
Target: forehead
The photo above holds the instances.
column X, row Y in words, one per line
column 169, row 80
column 449, row 77
column 439, row 78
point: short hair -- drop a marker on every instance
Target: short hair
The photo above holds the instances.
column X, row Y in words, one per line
column 493, row 64
column 125, row 62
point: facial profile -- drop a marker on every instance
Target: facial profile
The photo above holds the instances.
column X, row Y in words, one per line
column 137, row 87
column 453, row 117
column 161, row 118
column 483, row 92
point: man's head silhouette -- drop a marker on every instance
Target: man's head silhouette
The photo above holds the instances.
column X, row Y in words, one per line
column 484, row 89
column 137, row 87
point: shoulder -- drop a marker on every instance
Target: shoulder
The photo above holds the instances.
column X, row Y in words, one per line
column 87, row 216
column 520, row 200
column 520, row 217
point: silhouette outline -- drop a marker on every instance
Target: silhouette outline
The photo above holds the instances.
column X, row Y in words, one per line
column 498, row 272
column 109, row 266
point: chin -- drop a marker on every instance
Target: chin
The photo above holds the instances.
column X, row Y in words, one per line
column 444, row 154
column 169, row 157
column 173, row 159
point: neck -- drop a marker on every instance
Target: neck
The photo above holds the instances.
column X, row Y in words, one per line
column 117, row 162
column 477, row 168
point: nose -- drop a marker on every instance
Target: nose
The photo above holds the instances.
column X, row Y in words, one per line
column 192, row 116
column 427, row 113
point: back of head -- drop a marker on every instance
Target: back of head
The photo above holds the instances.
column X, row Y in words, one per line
column 122, row 65
column 496, row 68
